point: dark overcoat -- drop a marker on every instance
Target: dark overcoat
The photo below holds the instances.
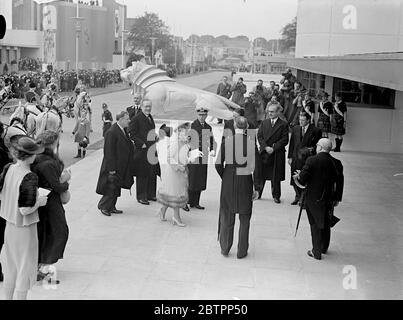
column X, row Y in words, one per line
column 142, row 132
column 298, row 143
column 238, row 90
column 236, row 187
column 133, row 111
column 53, row 231
column 204, row 141
column 118, row 156
column 324, row 180
column 273, row 166
column 224, row 90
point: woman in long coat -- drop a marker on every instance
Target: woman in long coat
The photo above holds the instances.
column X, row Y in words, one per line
column 53, row 231
column 173, row 156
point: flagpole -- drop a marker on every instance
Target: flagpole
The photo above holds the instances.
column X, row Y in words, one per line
column 77, row 19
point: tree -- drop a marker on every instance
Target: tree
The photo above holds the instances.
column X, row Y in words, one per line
column 144, row 28
column 222, row 38
column 169, row 56
column 207, row 39
column 241, row 38
column 132, row 58
column 289, row 35
column 261, row 42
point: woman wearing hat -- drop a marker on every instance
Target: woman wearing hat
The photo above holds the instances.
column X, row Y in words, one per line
column 173, row 156
column 53, row 231
column 325, row 113
column 20, row 201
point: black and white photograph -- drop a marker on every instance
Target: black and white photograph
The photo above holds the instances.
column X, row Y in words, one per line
column 201, row 150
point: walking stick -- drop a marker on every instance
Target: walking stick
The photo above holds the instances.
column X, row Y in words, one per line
column 300, row 212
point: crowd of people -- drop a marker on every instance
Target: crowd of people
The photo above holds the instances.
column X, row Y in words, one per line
column 180, row 156
column 293, row 98
column 65, row 80
column 34, row 185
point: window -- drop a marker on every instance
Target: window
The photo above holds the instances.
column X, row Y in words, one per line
column 278, row 68
column 116, row 46
column 364, row 94
column 313, row 82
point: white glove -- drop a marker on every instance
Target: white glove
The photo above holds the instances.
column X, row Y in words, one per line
column 42, row 201
column 194, row 154
column 212, row 153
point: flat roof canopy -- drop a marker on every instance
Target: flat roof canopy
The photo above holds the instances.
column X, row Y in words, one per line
column 383, row 70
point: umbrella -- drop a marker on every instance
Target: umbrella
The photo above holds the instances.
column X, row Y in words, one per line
column 300, row 212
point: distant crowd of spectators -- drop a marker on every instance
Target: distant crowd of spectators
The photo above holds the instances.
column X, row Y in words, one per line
column 65, row 80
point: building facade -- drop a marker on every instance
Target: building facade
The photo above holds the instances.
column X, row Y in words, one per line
column 354, row 47
column 48, row 32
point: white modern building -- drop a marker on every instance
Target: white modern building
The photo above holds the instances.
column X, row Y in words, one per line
column 356, row 47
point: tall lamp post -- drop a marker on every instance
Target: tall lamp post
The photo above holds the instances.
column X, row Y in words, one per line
column 78, row 20
column 152, row 49
column 123, row 47
column 175, row 44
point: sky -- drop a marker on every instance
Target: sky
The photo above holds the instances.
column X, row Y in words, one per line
column 252, row 18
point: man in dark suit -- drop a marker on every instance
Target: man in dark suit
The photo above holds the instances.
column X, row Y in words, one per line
column 303, row 137
column 251, row 109
column 237, row 188
column 116, row 169
column 136, row 107
column 142, row 132
column 273, row 138
column 201, row 138
column 224, row 90
column 322, row 176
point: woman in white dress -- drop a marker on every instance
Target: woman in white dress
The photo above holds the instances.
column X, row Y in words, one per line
column 173, row 156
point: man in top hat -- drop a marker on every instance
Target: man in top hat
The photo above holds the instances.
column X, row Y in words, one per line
column 322, row 177
column 201, row 138
column 136, row 107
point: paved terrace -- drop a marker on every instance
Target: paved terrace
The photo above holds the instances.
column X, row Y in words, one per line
column 136, row 256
